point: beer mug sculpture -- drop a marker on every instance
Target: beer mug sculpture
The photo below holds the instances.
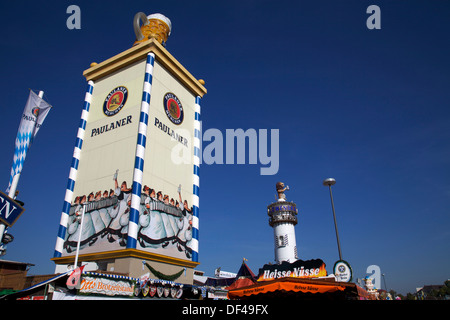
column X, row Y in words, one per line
column 156, row 26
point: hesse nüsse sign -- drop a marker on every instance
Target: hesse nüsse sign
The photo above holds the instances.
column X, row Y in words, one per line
column 298, row 269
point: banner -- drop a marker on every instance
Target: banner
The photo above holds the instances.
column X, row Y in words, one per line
column 33, row 116
column 106, row 286
column 286, row 285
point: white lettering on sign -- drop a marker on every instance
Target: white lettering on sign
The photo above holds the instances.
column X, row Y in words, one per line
column 6, row 210
column 296, row 272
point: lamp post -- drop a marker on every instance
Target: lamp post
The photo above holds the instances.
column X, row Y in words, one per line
column 329, row 182
column 79, row 235
column 384, row 279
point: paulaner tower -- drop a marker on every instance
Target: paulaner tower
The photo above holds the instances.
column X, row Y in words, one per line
column 283, row 218
column 132, row 199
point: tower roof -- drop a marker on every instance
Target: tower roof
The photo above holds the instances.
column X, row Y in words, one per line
column 245, row 272
column 245, row 277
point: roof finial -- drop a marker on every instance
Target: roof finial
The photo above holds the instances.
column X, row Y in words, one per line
column 280, row 190
column 155, row 26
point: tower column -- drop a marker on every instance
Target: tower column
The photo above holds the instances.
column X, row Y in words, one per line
column 140, row 153
column 196, row 182
column 73, row 171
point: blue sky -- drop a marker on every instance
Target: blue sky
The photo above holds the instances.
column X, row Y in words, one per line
column 367, row 107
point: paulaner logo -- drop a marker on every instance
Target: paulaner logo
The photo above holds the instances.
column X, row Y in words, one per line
column 115, row 101
column 35, row 111
column 173, row 108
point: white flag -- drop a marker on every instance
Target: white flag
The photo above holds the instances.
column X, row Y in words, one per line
column 33, row 116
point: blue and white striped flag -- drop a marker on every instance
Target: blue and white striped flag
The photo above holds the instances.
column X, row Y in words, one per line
column 33, row 116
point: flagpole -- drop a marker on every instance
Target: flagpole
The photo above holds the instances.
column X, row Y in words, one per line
column 79, row 236
column 2, row 231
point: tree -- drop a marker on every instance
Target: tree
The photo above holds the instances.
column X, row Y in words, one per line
column 393, row 293
column 410, row 296
column 445, row 289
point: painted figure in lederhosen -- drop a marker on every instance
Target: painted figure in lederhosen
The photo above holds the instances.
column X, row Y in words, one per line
column 152, row 232
column 185, row 234
column 167, row 225
column 72, row 226
column 97, row 220
column 115, row 227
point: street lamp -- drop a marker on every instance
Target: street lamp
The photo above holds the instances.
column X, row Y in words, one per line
column 329, row 182
column 75, row 264
column 384, row 279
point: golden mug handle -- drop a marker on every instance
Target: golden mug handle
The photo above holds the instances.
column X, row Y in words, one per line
column 136, row 26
